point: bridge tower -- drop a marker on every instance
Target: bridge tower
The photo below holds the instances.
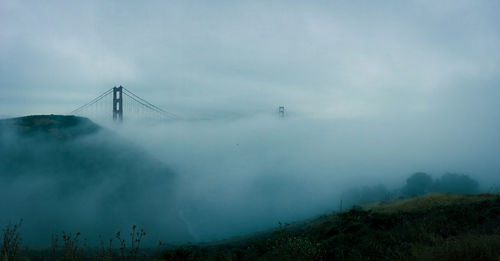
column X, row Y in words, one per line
column 118, row 104
column 281, row 111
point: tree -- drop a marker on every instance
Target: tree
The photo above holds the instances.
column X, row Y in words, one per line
column 417, row 184
column 456, row 183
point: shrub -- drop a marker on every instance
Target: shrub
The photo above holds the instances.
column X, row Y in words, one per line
column 417, row 184
column 70, row 249
column 11, row 241
column 133, row 245
column 456, row 183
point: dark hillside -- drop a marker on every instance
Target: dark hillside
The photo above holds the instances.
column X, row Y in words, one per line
column 73, row 148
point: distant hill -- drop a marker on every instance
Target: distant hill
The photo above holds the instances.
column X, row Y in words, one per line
column 67, row 173
column 50, row 126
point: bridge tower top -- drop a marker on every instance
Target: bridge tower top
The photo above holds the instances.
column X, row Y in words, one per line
column 118, row 104
column 123, row 99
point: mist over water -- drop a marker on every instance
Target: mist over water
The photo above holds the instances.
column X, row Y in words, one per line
column 241, row 175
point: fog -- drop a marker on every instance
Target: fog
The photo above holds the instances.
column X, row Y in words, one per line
column 92, row 182
column 373, row 92
column 242, row 175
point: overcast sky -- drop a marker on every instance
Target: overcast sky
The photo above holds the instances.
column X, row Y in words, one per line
column 339, row 59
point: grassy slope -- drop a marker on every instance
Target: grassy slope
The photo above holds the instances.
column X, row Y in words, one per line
column 426, row 202
column 432, row 227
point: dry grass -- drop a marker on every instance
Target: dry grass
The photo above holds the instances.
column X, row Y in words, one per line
column 470, row 246
column 426, row 202
column 11, row 241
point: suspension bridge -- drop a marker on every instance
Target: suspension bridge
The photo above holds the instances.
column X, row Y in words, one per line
column 121, row 102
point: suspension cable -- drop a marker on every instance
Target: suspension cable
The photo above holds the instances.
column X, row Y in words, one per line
column 147, row 106
column 152, row 105
column 98, row 98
